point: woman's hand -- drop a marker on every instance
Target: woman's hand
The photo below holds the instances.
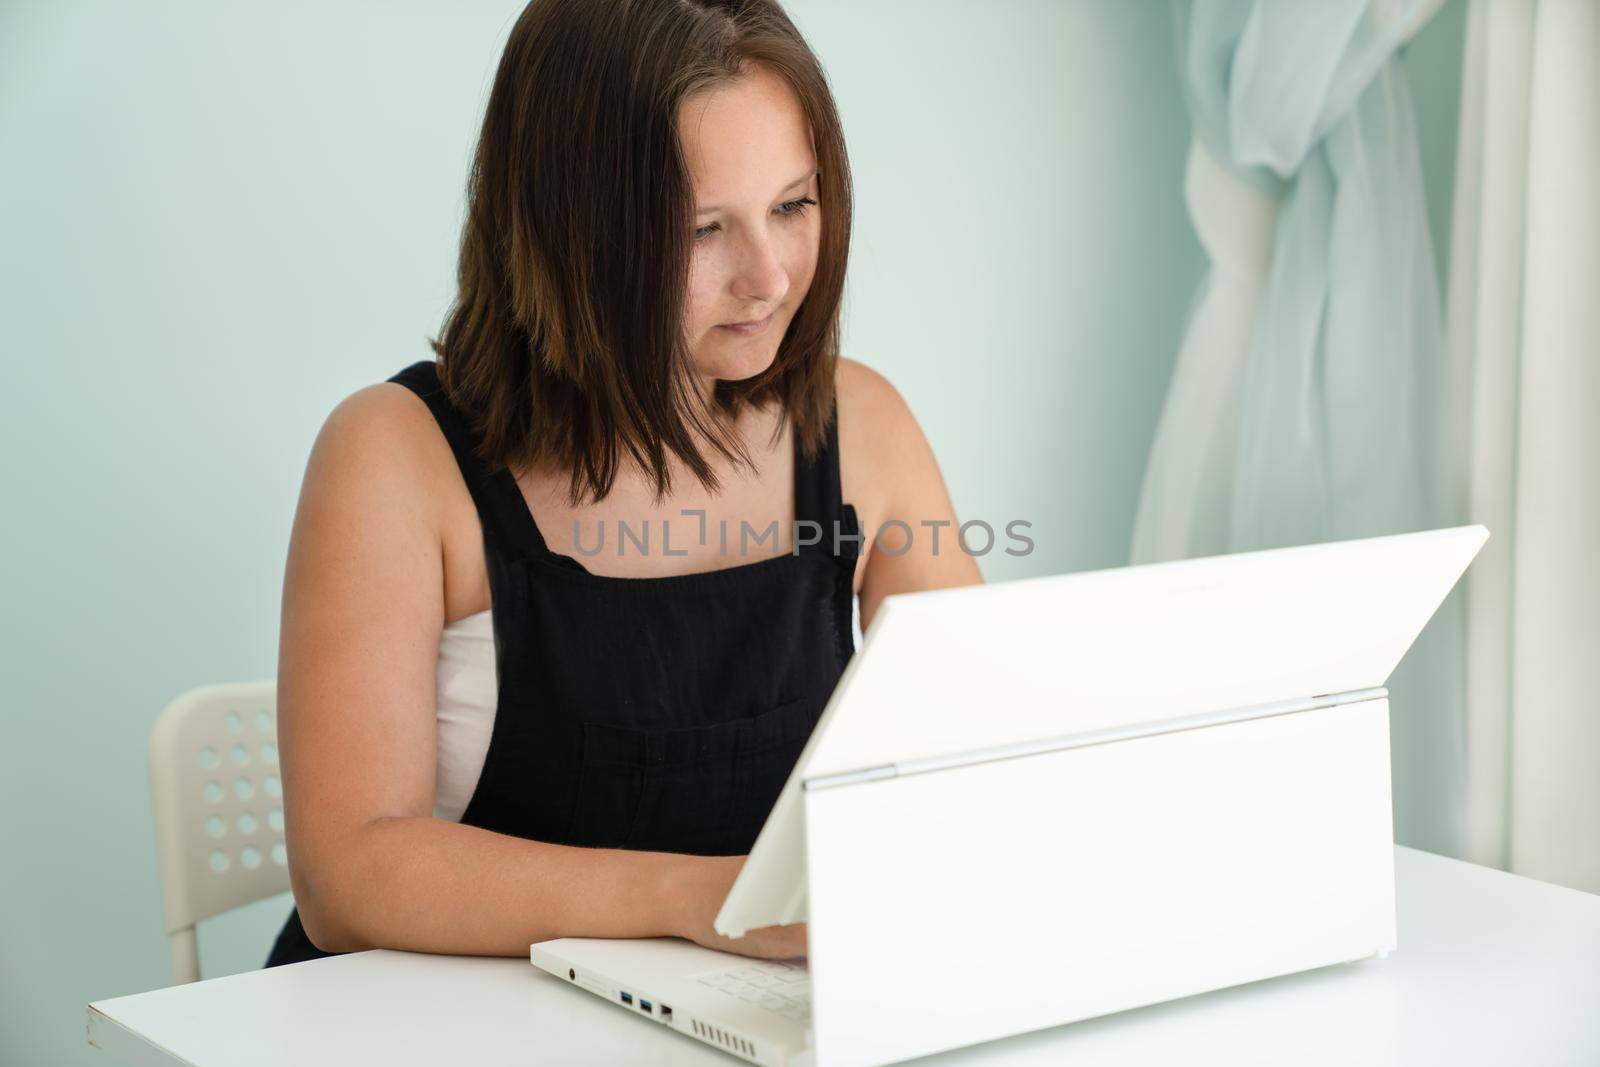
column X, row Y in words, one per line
column 707, row 880
column 767, row 942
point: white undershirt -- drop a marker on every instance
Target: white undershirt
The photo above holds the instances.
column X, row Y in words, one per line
column 465, row 698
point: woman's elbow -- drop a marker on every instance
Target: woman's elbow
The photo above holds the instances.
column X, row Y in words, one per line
column 327, row 934
column 330, row 925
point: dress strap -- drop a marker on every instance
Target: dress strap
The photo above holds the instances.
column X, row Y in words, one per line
column 507, row 522
column 509, row 525
column 818, row 493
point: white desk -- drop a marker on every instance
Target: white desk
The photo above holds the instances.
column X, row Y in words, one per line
column 1491, row 969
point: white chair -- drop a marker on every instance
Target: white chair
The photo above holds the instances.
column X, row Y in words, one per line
column 218, row 808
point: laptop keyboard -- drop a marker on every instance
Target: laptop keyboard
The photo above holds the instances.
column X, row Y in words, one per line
column 777, row 986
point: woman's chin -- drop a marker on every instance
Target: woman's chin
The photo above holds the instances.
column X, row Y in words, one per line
column 736, row 368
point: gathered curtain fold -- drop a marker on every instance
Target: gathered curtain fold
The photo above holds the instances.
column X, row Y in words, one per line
column 1312, row 398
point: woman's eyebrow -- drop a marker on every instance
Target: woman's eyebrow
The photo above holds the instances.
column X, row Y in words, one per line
column 812, row 173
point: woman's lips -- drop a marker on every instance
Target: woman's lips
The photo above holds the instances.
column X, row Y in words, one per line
column 747, row 329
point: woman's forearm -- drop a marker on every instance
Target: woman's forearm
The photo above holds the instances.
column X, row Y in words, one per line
column 432, row 885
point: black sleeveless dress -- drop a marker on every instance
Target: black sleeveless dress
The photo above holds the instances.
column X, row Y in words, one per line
column 659, row 714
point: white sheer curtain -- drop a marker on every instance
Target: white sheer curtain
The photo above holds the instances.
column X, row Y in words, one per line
column 1525, row 319
column 1315, row 396
column 1312, row 397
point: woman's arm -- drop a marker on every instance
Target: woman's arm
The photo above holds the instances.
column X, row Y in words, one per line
column 363, row 609
column 892, row 474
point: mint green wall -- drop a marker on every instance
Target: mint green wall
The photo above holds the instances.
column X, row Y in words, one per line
column 1433, row 64
column 1427, row 781
column 218, row 220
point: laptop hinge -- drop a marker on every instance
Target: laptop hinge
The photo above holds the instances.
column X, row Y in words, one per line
column 1093, row 737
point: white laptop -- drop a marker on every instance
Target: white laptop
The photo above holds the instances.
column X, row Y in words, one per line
column 1039, row 801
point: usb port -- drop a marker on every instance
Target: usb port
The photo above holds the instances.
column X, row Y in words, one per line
column 666, row 1013
column 627, row 998
column 644, row 1004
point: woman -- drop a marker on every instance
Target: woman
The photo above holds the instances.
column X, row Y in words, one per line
column 492, row 733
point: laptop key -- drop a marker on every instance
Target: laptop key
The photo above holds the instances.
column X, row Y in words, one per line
column 775, row 986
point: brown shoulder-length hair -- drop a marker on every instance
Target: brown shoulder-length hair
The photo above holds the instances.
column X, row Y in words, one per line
column 565, row 343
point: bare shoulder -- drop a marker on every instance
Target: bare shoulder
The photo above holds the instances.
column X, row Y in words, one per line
column 371, row 510
column 869, row 402
column 382, row 416
column 873, row 416
column 890, row 474
column 878, row 436
column 382, row 440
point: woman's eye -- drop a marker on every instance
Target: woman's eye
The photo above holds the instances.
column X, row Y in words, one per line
column 791, row 209
column 799, row 206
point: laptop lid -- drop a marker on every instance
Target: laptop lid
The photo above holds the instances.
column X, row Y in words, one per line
column 949, row 671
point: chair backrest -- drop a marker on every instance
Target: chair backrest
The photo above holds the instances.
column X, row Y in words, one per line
column 218, row 808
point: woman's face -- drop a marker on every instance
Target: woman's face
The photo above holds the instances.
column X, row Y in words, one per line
column 748, row 148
